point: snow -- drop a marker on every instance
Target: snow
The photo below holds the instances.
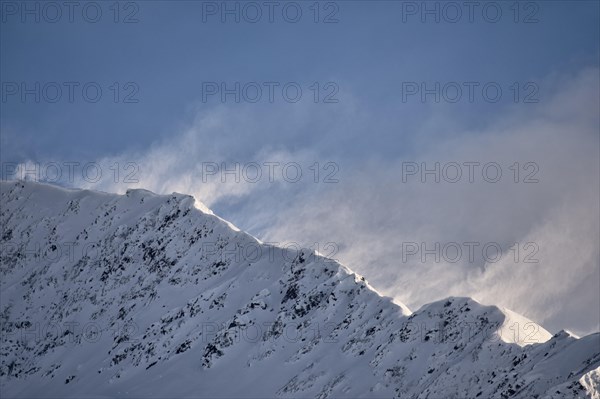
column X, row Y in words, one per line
column 591, row 382
column 145, row 295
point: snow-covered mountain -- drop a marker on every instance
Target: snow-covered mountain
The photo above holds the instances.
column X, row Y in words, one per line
column 143, row 295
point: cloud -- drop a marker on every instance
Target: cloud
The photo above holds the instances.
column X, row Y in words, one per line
column 554, row 221
column 371, row 214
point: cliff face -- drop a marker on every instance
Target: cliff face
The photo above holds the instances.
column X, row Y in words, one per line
column 145, row 295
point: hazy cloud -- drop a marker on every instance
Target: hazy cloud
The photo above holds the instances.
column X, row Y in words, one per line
column 371, row 214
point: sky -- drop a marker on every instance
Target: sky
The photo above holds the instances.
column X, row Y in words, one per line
column 436, row 148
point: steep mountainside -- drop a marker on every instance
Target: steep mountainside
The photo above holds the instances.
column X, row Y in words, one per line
column 141, row 295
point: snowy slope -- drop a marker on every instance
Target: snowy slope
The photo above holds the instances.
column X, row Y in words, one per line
column 142, row 295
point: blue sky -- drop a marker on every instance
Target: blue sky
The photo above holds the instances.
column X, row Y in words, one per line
column 368, row 53
column 365, row 59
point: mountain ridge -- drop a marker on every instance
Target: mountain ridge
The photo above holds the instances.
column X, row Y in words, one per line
column 175, row 296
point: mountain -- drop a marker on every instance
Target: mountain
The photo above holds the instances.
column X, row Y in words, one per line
column 145, row 295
